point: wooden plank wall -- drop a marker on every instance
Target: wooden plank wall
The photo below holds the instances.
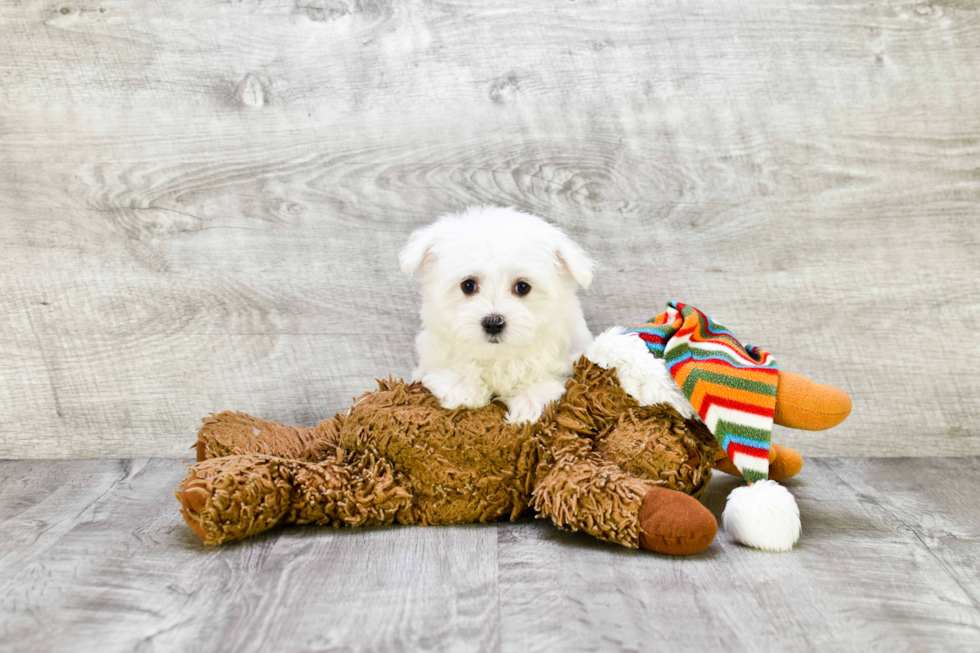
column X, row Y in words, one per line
column 201, row 201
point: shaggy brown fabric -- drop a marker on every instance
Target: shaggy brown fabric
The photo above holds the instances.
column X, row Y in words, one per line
column 397, row 456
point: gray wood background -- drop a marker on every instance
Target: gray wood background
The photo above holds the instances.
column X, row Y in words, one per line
column 201, row 201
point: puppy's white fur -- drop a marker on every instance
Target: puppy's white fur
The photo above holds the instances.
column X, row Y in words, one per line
column 527, row 365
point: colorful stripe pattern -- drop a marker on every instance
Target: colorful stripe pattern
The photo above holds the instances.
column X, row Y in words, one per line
column 731, row 386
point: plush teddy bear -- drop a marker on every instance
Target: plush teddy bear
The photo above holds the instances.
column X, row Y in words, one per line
column 623, row 456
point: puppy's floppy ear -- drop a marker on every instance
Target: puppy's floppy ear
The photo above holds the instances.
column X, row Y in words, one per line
column 418, row 249
column 574, row 259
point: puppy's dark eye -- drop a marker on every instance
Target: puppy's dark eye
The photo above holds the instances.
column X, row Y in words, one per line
column 469, row 287
column 522, row 288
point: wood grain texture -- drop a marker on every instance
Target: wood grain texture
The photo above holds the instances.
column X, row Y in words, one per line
column 201, row 202
column 94, row 556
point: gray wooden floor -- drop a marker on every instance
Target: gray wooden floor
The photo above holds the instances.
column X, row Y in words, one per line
column 93, row 556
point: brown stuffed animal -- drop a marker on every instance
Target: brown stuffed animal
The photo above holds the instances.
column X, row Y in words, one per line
column 596, row 461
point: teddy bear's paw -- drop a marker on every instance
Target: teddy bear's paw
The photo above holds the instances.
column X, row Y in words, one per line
column 194, row 496
column 675, row 523
column 225, row 499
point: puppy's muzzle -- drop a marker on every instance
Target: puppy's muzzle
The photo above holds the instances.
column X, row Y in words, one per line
column 493, row 325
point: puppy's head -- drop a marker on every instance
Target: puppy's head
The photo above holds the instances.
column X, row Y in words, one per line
column 495, row 279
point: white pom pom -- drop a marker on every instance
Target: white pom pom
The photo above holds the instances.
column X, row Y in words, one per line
column 763, row 515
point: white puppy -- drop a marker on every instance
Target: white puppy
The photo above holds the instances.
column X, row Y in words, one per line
column 500, row 319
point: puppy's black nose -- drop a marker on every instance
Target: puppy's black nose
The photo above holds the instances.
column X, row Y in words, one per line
column 494, row 324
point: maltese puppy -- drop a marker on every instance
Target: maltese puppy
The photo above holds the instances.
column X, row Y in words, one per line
column 500, row 319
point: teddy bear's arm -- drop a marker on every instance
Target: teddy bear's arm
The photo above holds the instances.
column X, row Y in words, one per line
column 236, row 496
column 228, row 433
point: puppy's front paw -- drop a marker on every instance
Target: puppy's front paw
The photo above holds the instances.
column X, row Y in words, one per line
column 453, row 390
column 526, row 408
column 529, row 406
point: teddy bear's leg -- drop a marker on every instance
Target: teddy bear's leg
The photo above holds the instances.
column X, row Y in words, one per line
column 231, row 434
column 229, row 498
column 603, row 500
column 657, row 444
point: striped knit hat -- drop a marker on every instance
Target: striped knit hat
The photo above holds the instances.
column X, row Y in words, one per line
column 699, row 368
column 731, row 386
